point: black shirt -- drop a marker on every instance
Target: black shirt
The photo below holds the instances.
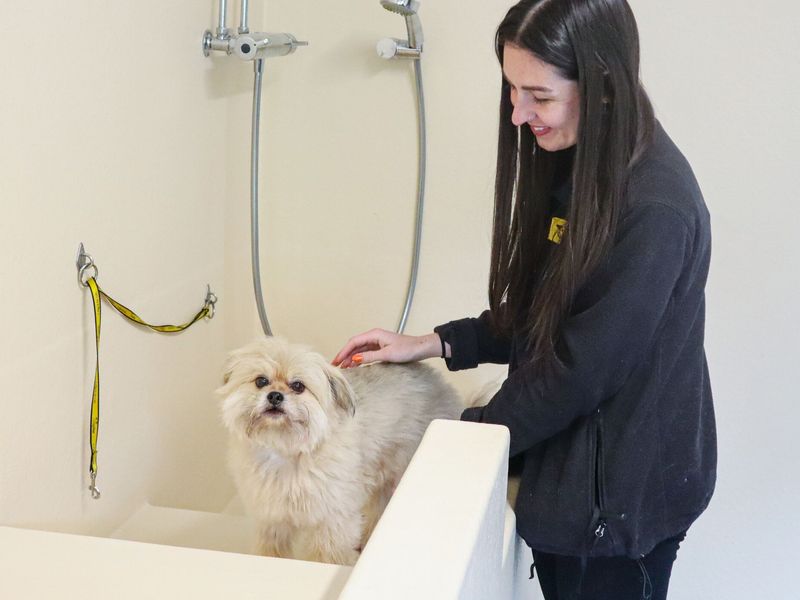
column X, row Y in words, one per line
column 619, row 445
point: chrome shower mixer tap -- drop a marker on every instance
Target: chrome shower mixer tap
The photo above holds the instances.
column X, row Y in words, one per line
column 246, row 45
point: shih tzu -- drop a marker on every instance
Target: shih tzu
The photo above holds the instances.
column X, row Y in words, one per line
column 317, row 451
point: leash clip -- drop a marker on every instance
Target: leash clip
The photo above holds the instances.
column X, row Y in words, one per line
column 211, row 302
column 84, row 263
column 93, row 487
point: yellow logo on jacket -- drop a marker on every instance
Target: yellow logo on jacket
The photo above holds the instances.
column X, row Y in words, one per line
column 557, row 227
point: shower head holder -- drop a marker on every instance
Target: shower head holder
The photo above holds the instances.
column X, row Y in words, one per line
column 389, row 48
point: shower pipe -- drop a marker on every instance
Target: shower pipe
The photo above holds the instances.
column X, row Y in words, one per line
column 255, row 255
column 421, row 143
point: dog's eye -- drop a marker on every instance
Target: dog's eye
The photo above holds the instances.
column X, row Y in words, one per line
column 297, row 387
column 261, row 381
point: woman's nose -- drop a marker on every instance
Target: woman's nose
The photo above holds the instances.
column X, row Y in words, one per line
column 522, row 113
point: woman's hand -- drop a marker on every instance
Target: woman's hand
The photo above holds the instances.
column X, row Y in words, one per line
column 387, row 346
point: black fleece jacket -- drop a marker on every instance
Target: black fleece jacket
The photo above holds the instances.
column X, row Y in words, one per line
column 618, row 447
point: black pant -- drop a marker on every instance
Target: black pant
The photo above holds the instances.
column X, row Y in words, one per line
column 613, row 578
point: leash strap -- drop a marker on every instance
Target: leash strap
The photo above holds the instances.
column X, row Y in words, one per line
column 94, row 419
column 207, row 312
column 132, row 316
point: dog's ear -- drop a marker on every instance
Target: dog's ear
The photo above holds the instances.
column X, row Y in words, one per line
column 227, row 373
column 342, row 393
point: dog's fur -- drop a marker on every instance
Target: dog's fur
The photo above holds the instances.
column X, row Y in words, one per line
column 317, row 472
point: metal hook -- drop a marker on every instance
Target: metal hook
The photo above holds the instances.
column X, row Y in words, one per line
column 85, row 281
column 93, row 488
column 211, row 302
column 82, row 258
column 85, row 262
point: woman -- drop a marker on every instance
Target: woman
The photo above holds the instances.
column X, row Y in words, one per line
column 600, row 254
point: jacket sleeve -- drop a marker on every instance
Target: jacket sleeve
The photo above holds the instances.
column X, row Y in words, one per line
column 474, row 341
column 615, row 320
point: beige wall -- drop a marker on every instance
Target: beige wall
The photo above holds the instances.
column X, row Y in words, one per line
column 109, row 115
column 117, row 132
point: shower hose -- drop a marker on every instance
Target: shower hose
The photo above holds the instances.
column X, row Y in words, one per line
column 258, row 67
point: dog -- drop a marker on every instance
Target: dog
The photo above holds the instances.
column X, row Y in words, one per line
column 316, row 451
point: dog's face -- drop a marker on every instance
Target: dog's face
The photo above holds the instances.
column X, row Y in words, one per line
column 283, row 396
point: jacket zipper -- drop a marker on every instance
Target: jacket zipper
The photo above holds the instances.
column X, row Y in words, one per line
column 600, row 514
column 599, row 501
column 601, row 529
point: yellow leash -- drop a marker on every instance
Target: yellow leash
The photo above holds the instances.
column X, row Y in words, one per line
column 206, row 311
column 94, row 419
column 85, row 264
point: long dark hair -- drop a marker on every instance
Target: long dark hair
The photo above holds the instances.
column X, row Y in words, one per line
column 533, row 281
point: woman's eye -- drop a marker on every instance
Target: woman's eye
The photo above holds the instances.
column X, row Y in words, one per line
column 297, row 387
column 261, row 381
column 541, row 100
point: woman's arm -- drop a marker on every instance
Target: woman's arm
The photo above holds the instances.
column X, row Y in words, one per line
column 464, row 344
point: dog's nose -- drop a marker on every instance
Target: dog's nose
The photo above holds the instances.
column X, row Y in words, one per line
column 275, row 398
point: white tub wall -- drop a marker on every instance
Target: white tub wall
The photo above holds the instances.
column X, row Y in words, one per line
column 454, row 491
column 80, row 566
column 109, row 113
column 449, row 509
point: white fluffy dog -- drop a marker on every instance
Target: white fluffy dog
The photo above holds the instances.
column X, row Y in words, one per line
column 317, row 451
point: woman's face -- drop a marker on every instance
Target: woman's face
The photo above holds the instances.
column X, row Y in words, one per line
column 542, row 98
